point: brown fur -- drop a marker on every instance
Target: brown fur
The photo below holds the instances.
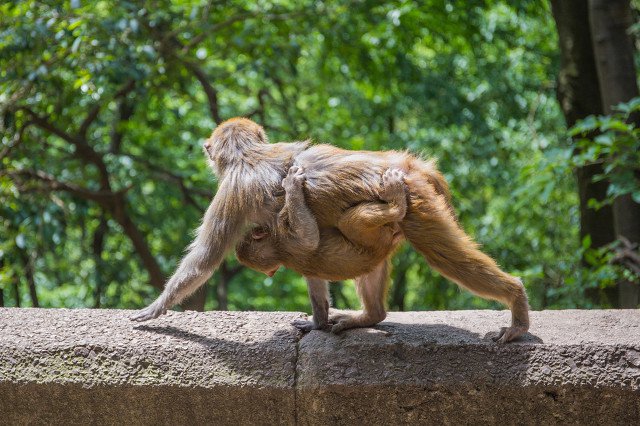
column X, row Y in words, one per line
column 363, row 234
column 250, row 173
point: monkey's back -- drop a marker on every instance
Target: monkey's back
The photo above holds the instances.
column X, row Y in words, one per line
column 337, row 179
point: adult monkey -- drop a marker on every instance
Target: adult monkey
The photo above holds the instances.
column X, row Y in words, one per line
column 250, row 172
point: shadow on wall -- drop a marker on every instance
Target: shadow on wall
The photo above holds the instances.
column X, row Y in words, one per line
column 413, row 351
column 425, row 333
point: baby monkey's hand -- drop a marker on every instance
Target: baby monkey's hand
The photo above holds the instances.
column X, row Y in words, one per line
column 294, row 179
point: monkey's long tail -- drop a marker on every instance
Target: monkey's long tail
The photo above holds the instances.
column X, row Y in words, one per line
column 431, row 227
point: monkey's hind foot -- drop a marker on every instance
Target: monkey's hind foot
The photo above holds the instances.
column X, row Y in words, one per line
column 508, row 334
column 343, row 321
column 306, row 326
column 393, row 186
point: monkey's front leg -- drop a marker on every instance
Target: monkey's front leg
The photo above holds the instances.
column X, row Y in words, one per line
column 371, row 288
column 319, row 295
column 221, row 224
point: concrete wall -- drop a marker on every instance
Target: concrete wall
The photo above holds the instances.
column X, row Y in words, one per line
column 94, row 366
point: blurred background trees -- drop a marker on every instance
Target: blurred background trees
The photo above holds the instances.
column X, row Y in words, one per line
column 104, row 106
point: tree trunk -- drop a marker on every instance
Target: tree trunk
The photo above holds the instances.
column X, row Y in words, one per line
column 337, row 296
column 579, row 96
column 222, row 288
column 196, row 301
column 578, row 93
column 117, row 208
column 97, row 247
column 613, row 47
column 222, row 295
column 16, row 290
column 399, row 288
column 27, row 262
column 610, row 21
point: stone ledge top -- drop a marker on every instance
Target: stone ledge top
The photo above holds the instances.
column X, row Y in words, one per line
column 576, row 367
column 454, row 348
column 262, row 349
column 182, row 349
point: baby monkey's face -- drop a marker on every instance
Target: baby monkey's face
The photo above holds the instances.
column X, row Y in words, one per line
column 257, row 250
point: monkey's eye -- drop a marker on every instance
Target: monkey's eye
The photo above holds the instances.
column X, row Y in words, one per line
column 259, row 233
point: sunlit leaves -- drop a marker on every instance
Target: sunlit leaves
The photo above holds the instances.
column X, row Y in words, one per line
column 614, row 141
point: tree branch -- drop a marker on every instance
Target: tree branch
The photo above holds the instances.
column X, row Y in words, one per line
column 112, row 202
column 169, row 47
column 173, row 177
column 17, row 139
column 207, row 31
column 104, row 198
column 212, row 29
column 95, row 110
column 210, row 92
column 44, row 124
column 83, row 150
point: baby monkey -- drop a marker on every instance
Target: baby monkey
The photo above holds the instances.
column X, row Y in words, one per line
column 364, row 231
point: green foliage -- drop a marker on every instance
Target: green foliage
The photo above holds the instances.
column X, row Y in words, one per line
column 469, row 82
column 614, row 141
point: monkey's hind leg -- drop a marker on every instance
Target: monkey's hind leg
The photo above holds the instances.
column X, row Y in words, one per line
column 319, row 296
column 431, row 228
column 519, row 318
column 372, row 290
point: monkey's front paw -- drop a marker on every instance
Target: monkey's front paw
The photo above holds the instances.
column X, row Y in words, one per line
column 508, row 334
column 150, row 312
column 393, row 185
column 306, row 326
column 294, row 179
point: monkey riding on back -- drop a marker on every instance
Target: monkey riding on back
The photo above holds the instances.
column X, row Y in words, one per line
column 250, row 172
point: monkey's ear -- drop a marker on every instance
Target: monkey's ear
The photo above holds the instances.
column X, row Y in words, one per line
column 262, row 136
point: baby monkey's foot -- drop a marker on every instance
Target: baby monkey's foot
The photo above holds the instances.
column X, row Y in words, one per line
column 393, row 186
column 306, row 326
column 294, row 179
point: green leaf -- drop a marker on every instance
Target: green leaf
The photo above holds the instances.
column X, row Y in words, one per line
column 585, row 125
column 605, row 139
column 21, row 241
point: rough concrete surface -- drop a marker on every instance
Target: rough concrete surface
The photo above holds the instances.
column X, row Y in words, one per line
column 82, row 366
column 443, row 368
column 95, row 366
